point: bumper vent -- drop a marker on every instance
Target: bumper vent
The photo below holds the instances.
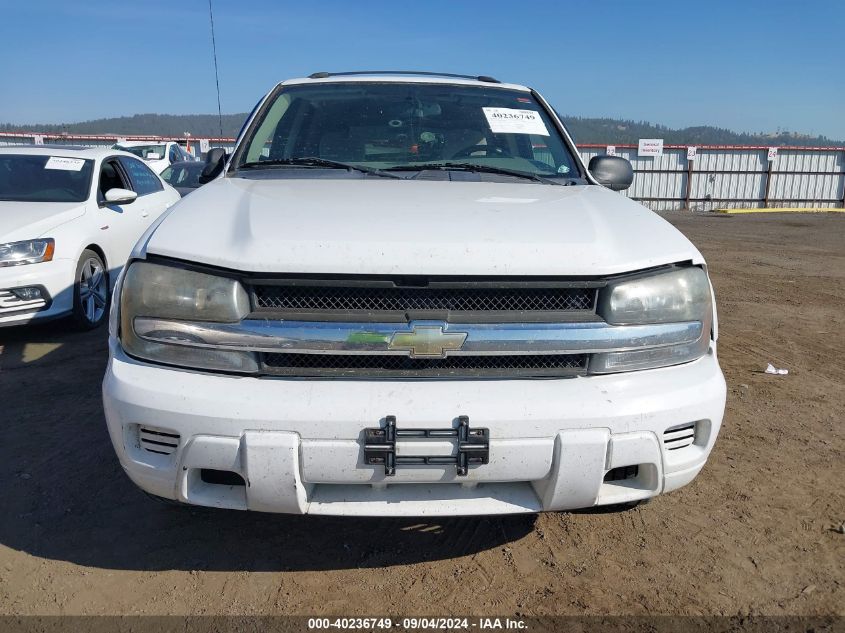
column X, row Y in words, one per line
column 160, row 441
column 295, row 298
column 679, row 437
column 321, row 365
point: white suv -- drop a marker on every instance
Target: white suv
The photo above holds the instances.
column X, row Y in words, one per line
column 405, row 294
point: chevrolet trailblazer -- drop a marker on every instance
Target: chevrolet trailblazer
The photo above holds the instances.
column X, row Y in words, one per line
column 406, row 294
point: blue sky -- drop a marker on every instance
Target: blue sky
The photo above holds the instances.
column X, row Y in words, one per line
column 745, row 65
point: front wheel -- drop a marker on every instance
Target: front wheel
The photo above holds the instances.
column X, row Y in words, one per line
column 91, row 291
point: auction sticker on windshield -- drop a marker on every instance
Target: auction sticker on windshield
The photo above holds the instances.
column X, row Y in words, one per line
column 512, row 121
column 65, row 164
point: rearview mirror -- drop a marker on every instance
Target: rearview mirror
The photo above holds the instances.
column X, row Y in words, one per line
column 613, row 172
column 120, row 196
column 215, row 161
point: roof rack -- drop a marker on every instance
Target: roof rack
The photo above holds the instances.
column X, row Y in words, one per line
column 323, row 75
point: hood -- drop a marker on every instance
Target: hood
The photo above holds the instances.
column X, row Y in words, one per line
column 28, row 220
column 380, row 226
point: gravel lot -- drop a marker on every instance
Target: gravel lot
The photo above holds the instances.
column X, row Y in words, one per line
column 755, row 533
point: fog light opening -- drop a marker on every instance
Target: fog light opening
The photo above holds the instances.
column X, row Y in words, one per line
column 28, row 293
column 622, row 473
column 221, row 477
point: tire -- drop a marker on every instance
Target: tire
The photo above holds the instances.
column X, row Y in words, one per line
column 90, row 292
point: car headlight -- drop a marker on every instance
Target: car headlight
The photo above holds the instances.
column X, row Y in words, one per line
column 680, row 295
column 157, row 291
column 27, row 252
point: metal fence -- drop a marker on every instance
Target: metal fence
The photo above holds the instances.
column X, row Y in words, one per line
column 107, row 140
column 719, row 177
column 731, row 176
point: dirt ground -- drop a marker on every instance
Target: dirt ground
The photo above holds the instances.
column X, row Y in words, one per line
column 754, row 534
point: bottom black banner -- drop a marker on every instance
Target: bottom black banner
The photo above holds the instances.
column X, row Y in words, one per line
column 284, row 624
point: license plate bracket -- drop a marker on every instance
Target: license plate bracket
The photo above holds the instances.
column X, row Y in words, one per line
column 380, row 446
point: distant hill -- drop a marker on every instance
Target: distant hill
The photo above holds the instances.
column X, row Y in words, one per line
column 584, row 130
column 199, row 125
column 622, row 131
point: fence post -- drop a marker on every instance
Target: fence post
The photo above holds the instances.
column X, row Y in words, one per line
column 843, row 179
column 689, row 180
column 768, row 183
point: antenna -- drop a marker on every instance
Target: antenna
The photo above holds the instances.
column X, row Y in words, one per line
column 216, row 76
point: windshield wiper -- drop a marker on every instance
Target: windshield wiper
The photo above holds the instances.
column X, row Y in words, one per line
column 314, row 161
column 472, row 167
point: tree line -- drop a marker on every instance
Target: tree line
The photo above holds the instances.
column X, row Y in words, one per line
column 583, row 130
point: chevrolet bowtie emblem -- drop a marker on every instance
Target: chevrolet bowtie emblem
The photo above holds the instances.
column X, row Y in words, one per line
column 427, row 341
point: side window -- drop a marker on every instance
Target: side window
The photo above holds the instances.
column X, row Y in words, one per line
column 263, row 137
column 174, row 153
column 144, row 181
column 111, row 177
column 541, row 151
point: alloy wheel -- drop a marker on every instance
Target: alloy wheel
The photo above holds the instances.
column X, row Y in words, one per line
column 92, row 290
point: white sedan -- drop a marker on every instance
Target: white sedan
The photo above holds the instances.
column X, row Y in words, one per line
column 69, row 217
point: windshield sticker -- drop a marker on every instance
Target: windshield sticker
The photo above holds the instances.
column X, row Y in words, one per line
column 64, row 164
column 511, row 121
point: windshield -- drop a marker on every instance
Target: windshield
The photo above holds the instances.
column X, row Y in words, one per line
column 183, row 175
column 145, row 151
column 33, row 178
column 403, row 126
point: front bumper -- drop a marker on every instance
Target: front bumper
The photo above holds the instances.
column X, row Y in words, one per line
column 55, row 277
column 298, row 444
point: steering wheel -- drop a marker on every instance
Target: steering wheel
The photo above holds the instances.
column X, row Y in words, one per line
column 489, row 151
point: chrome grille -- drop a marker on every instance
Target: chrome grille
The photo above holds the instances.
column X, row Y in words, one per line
column 378, row 365
column 404, row 299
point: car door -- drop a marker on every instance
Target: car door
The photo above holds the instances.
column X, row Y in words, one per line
column 153, row 198
column 119, row 225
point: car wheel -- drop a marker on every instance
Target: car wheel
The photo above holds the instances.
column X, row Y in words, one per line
column 90, row 291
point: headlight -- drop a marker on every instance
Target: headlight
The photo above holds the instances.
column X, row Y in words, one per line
column 169, row 292
column 680, row 295
column 27, row 252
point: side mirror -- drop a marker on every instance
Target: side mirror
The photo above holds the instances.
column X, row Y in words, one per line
column 120, row 196
column 613, row 172
column 215, row 161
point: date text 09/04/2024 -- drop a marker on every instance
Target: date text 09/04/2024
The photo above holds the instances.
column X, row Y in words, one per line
column 417, row 623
